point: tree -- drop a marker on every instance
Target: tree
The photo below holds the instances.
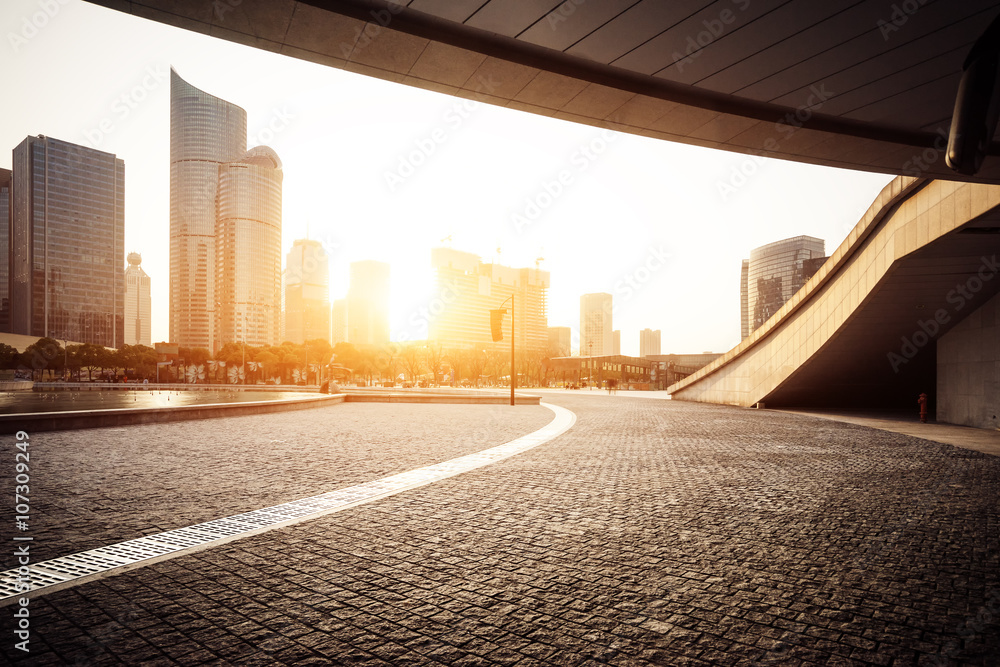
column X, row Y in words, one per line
column 8, row 356
column 89, row 356
column 411, row 357
column 456, row 359
column 433, row 356
column 45, row 354
column 475, row 361
column 387, row 358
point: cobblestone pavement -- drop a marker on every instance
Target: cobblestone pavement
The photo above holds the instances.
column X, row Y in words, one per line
column 100, row 486
column 654, row 532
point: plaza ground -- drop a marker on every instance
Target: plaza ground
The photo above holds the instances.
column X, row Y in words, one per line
column 653, row 532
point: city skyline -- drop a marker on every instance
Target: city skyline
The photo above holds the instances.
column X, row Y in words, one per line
column 652, row 199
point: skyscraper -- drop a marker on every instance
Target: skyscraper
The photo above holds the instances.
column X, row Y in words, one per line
column 649, row 342
column 138, row 311
column 205, row 134
column 248, row 250
column 596, row 338
column 67, row 239
column 469, row 289
column 616, row 342
column 775, row 272
column 744, row 306
column 307, row 292
column 368, row 303
column 5, row 182
column 560, row 341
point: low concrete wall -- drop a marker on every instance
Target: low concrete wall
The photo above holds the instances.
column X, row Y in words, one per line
column 480, row 398
column 170, row 386
column 16, row 385
column 60, row 421
column 968, row 369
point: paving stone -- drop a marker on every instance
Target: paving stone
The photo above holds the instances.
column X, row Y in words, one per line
column 652, row 533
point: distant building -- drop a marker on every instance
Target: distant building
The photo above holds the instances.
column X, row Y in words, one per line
column 5, row 221
column 205, row 133
column 775, row 272
column 616, row 342
column 649, row 342
column 469, row 289
column 744, row 297
column 338, row 327
column 368, row 303
column 225, row 225
column 138, row 307
column 560, row 341
column 307, row 292
column 67, row 238
column 596, row 338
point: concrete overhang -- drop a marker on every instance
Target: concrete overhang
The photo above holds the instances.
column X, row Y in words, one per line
column 858, row 84
column 863, row 331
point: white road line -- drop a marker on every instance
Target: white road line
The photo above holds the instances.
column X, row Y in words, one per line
column 68, row 571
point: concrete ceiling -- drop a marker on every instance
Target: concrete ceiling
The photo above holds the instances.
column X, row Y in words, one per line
column 860, row 84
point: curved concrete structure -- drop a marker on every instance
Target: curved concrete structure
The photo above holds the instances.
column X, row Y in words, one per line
column 864, row 331
column 866, row 84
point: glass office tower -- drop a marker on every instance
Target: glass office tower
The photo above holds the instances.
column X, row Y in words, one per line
column 5, row 183
column 67, row 242
column 307, row 292
column 205, row 133
column 775, row 272
column 248, row 250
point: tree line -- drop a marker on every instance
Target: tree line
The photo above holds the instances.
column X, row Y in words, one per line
column 312, row 362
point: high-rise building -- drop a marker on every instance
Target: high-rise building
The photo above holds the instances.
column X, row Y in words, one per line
column 616, row 342
column 596, row 338
column 339, row 322
column 205, row 133
column 560, row 341
column 248, row 250
column 307, row 292
column 649, row 342
column 138, row 307
column 67, row 238
column 470, row 289
column 775, row 272
column 744, row 307
column 5, row 183
column 368, row 303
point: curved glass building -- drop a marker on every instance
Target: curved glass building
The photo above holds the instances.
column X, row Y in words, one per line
column 248, row 250
column 205, row 133
column 225, row 225
column 773, row 274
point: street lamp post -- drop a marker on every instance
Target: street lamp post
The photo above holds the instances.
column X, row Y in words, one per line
column 496, row 320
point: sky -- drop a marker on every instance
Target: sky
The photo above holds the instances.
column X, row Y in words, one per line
column 377, row 170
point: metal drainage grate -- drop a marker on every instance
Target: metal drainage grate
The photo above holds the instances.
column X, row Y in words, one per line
column 65, row 571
